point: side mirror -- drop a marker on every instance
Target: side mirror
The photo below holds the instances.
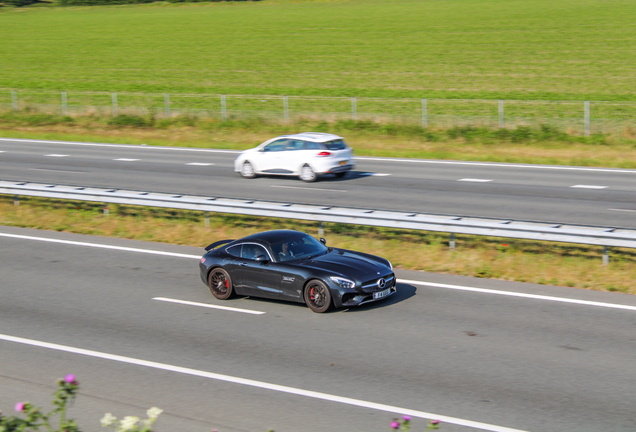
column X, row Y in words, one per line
column 323, row 241
column 262, row 258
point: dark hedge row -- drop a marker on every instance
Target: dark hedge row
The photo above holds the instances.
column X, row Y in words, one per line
column 20, row 3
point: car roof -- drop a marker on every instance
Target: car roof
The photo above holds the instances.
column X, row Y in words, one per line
column 274, row 236
column 312, row 136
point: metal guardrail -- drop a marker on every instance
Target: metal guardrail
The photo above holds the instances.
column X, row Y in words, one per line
column 601, row 236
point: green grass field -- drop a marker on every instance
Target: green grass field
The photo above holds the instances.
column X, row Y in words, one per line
column 508, row 49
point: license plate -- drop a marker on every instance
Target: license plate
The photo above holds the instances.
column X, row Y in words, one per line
column 380, row 294
column 343, row 162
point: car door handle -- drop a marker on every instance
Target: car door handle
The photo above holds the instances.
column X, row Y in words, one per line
column 242, row 264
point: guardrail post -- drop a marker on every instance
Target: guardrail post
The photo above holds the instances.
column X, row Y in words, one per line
column 105, row 209
column 14, row 100
column 115, row 107
column 166, row 102
column 206, row 221
column 586, row 119
column 424, row 113
column 286, row 109
column 451, row 243
column 354, row 108
column 501, row 113
column 321, row 229
column 16, row 200
column 64, row 104
column 605, row 256
column 223, row 109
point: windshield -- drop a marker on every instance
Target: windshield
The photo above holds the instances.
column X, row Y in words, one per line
column 297, row 248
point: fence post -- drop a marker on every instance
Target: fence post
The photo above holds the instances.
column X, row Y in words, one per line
column 64, row 104
column 424, row 114
column 16, row 200
column 206, row 220
column 321, row 229
column 451, row 243
column 587, row 118
column 14, row 100
column 105, row 209
column 501, row 113
column 223, row 108
column 115, row 107
column 605, row 256
column 286, row 109
column 166, row 101
column 354, row 108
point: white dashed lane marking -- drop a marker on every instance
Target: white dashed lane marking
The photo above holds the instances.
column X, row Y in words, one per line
column 369, row 174
column 589, row 187
column 199, row 164
column 207, row 305
column 309, row 188
column 623, row 210
column 474, row 180
column 55, row 155
column 126, row 160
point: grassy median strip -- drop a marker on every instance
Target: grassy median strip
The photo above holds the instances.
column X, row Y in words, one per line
column 486, row 257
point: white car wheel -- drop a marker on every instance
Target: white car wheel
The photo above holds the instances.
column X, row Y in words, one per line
column 247, row 170
column 307, row 174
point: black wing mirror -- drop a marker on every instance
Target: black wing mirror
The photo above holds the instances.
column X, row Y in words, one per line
column 262, row 258
column 323, row 241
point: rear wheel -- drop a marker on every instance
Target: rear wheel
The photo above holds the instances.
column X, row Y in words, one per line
column 247, row 170
column 317, row 296
column 307, row 174
column 220, row 284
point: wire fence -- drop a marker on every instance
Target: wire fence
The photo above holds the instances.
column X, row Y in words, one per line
column 579, row 117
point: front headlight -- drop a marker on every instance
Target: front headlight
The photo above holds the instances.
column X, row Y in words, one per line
column 342, row 282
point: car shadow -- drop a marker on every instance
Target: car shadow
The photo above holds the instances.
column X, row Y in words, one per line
column 404, row 292
column 351, row 175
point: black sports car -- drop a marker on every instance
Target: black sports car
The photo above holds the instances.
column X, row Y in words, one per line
column 294, row 266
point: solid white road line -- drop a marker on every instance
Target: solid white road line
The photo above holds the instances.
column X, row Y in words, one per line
column 58, row 171
column 625, row 210
column 126, row 146
column 207, row 305
column 56, row 155
column 126, row 160
column 523, row 295
column 199, row 164
column 413, row 282
column 100, row 246
column 308, row 188
column 589, row 187
column 258, row 384
column 474, row 180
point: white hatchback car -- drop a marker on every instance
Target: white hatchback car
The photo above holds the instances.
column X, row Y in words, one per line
column 306, row 155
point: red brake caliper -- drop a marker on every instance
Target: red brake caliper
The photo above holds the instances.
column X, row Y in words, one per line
column 311, row 294
column 227, row 283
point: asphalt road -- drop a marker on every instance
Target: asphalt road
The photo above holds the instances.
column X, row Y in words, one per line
column 571, row 195
column 467, row 349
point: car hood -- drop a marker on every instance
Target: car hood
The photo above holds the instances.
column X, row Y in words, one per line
column 351, row 264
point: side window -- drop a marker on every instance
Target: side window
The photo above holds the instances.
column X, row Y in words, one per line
column 336, row 145
column 278, row 145
column 234, row 250
column 252, row 251
column 312, row 146
column 295, row 144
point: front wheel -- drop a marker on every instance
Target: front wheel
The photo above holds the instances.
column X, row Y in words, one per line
column 220, row 284
column 307, row 174
column 247, row 170
column 317, row 296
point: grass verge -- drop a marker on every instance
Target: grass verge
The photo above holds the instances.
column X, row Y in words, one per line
column 542, row 145
column 507, row 259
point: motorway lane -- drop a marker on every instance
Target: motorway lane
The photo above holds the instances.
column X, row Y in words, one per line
column 515, row 362
column 586, row 196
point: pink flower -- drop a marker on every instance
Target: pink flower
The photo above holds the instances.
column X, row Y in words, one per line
column 434, row 422
column 395, row 425
column 70, row 378
column 19, row 407
column 406, row 418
